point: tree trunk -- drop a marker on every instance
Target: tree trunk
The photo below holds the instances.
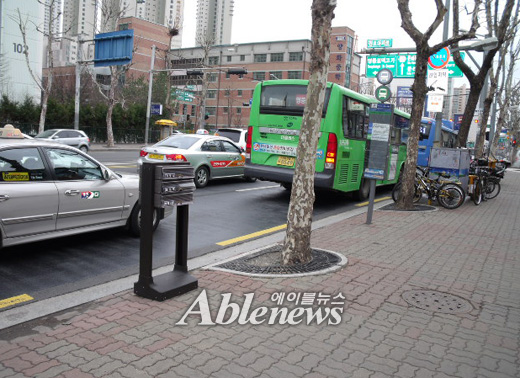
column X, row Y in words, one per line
column 43, row 112
column 469, row 111
column 419, row 90
column 296, row 247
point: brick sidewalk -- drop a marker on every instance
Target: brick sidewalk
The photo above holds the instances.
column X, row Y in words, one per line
column 471, row 252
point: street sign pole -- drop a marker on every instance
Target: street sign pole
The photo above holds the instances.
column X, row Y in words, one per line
column 149, row 103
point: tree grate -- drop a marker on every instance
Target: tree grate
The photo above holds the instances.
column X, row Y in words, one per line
column 437, row 301
column 268, row 261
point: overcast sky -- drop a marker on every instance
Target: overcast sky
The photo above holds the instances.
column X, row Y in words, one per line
column 274, row 20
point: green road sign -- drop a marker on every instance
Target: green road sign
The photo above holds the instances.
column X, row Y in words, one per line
column 379, row 43
column 402, row 65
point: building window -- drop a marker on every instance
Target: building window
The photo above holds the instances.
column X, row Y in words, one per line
column 211, row 110
column 225, row 110
column 242, row 58
column 295, row 75
column 227, row 92
column 239, row 92
column 239, row 110
column 212, row 77
column 211, row 93
column 260, row 58
column 259, row 76
column 296, row 56
column 275, row 75
column 193, row 109
column 213, row 60
column 277, row 57
column 228, row 58
column 123, row 27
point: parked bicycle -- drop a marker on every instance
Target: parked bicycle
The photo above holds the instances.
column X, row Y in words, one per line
column 448, row 194
column 490, row 173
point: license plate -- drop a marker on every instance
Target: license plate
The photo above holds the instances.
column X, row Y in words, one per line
column 155, row 156
column 285, row 160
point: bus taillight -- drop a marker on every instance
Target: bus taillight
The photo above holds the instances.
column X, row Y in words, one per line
column 332, row 150
column 249, row 142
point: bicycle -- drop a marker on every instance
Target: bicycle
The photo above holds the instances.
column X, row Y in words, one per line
column 448, row 194
column 490, row 176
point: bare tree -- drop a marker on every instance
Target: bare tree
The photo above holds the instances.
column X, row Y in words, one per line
column 419, row 88
column 206, row 43
column 297, row 243
column 497, row 28
column 507, row 86
column 45, row 86
column 111, row 12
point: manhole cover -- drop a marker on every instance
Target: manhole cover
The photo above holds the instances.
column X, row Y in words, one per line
column 268, row 262
column 437, row 301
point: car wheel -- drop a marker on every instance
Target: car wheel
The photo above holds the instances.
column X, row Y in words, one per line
column 135, row 220
column 201, row 177
column 84, row 149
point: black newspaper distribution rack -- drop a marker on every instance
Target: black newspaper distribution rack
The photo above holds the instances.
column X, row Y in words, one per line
column 163, row 185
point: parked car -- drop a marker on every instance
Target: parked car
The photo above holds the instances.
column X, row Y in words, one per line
column 49, row 190
column 239, row 136
column 74, row 138
column 212, row 157
column 516, row 160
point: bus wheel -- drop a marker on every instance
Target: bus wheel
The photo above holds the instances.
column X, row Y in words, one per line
column 364, row 190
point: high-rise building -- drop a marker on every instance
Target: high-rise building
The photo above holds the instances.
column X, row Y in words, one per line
column 53, row 15
column 15, row 79
column 460, row 98
column 81, row 17
column 163, row 12
column 214, row 21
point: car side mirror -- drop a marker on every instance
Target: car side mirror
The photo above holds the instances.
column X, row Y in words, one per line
column 107, row 176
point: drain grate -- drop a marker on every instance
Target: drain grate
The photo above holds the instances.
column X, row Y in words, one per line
column 268, row 261
column 437, row 301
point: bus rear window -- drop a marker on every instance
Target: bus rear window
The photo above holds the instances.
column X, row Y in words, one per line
column 286, row 99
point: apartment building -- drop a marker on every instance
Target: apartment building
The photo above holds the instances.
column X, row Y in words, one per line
column 228, row 96
column 214, row 22
column 15, row 79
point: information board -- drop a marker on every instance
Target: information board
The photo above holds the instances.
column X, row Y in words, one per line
column 379, row 138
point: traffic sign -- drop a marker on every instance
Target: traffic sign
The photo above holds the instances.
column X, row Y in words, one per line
column 440, row 59
column 437, row 82
column 383, row 93
column 403, row 65
column 384, row 76
column 379, row 43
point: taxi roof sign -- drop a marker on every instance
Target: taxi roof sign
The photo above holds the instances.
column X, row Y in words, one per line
column 10, row 132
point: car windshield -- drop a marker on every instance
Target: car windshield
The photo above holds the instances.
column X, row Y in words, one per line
column 234, row 135
column 178, row 141
column 45, row 134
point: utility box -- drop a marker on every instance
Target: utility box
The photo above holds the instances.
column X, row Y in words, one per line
column 165, row 185
column 451, row 161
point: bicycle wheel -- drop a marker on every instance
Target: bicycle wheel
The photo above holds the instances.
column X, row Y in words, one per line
column 477, row 193
column 492, row 188
column 450, row 196
column 396, row 193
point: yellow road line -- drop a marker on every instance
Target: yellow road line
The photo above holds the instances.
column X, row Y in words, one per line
column 15, row 300
column 253, row 235
column 376, row 200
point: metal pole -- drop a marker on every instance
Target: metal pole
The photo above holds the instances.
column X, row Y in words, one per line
column 438, row 116
column 149, row 103
column 371, row 197
column 181, row 241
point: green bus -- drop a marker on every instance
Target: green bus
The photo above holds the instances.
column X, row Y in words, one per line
column 276, row 118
